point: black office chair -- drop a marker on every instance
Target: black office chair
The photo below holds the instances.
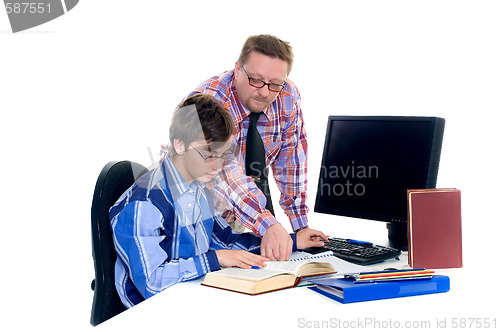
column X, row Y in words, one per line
column 115, row 178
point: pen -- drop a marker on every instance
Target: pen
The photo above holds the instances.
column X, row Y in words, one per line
column 377, row 275
column 358, row 242
column 391, row 271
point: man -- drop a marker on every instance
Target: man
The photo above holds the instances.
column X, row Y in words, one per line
column 259, row 84
column 164, row 227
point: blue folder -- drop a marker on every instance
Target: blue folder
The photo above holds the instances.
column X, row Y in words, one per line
column 346, row 291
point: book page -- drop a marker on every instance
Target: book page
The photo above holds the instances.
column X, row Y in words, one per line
column 289, row 266
column 248, row 274
column 272, row 268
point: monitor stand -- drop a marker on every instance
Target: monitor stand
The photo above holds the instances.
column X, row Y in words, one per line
column 398, row 235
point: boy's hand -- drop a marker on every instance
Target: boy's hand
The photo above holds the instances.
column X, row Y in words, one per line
column 308, row 237
column 240, row 258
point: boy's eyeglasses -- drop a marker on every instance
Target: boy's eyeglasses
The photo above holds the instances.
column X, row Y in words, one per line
column 212, row 157
column 256, row 83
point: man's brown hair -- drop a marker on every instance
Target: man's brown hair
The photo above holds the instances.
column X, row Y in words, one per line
column 267, row 45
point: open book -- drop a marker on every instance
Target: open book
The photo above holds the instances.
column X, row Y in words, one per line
column 276, row 275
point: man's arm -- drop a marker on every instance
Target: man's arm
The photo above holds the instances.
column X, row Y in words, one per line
column 236, row 192
column 290, row 166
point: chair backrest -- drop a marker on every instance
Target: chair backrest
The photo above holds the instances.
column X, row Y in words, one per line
column 115, row 178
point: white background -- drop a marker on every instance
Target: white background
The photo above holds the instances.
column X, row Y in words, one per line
column 100, row 83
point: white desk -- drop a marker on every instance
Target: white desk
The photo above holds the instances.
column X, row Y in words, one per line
column 194, row 307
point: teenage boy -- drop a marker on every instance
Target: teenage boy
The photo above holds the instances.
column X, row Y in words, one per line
column 164, row 227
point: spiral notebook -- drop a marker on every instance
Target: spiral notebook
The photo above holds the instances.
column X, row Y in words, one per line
column 341, row 266
column 298, row 256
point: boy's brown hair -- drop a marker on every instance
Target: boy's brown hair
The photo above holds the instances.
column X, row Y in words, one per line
column 198, row 115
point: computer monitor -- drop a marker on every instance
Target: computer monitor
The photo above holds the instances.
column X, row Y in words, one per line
column 370, row 161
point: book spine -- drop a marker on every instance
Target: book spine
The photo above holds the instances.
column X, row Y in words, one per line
column 410, row 229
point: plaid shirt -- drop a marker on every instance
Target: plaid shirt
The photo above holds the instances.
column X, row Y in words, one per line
column 284, row 137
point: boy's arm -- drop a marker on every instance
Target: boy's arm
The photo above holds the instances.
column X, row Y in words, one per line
column 225, row 238
column 142, row 245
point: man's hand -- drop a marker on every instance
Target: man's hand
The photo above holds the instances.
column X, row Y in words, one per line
column 276, row 243
column 308, row 237
column 240, row 258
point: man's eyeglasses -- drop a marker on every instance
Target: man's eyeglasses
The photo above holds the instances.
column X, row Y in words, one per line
column 256, row 83
column 212, row 157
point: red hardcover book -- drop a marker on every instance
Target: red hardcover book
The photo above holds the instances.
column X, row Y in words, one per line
column 434, row 228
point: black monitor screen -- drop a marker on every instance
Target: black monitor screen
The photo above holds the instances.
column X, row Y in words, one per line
column 369, row 163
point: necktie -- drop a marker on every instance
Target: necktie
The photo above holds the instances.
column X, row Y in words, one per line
column 255, row 159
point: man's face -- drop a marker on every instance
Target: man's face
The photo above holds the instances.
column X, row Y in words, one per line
column 201, row 161
column 262, row 67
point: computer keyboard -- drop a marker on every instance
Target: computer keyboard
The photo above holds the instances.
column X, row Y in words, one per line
column 357, row 252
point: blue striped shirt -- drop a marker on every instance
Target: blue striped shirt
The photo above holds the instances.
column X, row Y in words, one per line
column 165, row 231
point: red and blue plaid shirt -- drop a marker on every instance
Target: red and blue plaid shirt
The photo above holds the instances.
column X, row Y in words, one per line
column 285, row 142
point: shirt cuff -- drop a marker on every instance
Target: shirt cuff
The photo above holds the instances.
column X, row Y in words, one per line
column 264, row 221
column 298, row 221
column 212, row 261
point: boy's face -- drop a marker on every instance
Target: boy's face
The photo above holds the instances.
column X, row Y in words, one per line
column 200, row 160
